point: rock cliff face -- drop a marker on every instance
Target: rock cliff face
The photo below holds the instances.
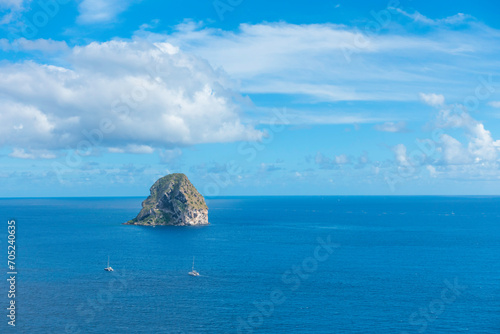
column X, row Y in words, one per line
column 173, row 201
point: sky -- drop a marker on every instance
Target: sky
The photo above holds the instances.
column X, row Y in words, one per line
column 249, row 97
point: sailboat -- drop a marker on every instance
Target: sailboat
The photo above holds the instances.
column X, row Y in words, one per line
column 108, row 268
column 193, row 272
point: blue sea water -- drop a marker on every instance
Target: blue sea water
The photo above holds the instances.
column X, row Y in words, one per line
column 267, row 264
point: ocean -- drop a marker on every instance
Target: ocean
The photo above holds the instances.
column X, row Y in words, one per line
column 268, row 265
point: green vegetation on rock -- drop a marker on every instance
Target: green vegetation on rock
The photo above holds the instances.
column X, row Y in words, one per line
column 173, row 201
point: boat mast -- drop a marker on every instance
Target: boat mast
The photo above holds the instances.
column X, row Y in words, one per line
column 193, row 264
column 108, row 261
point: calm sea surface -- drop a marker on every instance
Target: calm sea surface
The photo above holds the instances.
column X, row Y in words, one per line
column 267, row 264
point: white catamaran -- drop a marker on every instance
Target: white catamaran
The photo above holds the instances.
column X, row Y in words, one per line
column 108, row 268
column 193, row 272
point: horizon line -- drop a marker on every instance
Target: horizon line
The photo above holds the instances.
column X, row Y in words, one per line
column 235, row 196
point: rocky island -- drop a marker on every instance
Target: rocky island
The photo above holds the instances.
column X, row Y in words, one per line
column 173, row 201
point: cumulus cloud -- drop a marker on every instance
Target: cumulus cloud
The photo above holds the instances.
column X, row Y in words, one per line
column 391, row 127
column 432, row 99
column 471, row 152
column 323, row 162
column 36, row 154
column 20, row 124
column 453, row 151
column 400, row 155
column 362, row 161
column 481, row 145
column 147, row 96
column 432, row 171
column 336, row 162
column 342, row 159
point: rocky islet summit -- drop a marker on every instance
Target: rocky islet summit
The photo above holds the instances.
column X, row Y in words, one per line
column 173, row 201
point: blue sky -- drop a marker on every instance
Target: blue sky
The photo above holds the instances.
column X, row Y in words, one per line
column 102, row 97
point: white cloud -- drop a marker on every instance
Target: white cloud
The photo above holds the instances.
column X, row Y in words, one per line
column 434, row 100
column 101, row 11
column 301, row 117
column 400, row 155
column 391, row 127
column 471, row 153
column 342, row 159
column 432, row 171
column 328, row 62
column 495, row 104
column 12, row 4
column 481, row 145
column 11, row 9
column 23, row 44
column 91, row 11
column 453, row 151
column 20, row 123
column 320, row 92
column 151, row 96
column 336, row 162
column 20, row 153
column 140, row 149
column 132, row 148
column 451, row 20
